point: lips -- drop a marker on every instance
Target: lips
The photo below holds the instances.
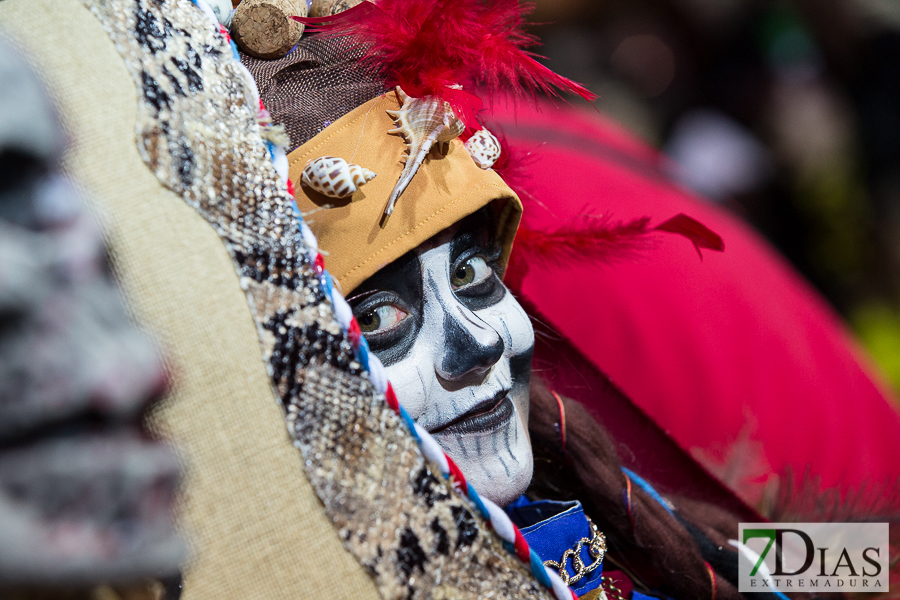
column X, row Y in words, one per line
column 485, row 416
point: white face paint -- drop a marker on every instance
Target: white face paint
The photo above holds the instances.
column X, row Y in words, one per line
column 457, row 347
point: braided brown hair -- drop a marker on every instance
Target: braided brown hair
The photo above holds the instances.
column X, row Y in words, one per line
column 575, row 458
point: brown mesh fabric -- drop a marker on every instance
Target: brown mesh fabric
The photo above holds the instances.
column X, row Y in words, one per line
column 320, row 81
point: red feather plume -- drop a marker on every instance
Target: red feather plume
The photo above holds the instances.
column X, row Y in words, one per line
column 431, row 47
column 600, row 241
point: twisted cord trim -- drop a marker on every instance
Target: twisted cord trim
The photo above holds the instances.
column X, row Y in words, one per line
column 512, row 538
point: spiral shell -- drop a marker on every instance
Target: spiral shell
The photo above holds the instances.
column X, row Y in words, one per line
column 335, row 177
column 423, row 122
column 484, row 148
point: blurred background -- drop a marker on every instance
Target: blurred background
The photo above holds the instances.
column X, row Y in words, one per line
column 786, row 112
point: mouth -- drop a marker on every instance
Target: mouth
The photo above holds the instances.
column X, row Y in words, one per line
column 492, row 414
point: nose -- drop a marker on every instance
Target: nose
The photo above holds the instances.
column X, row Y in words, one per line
column 471, row 346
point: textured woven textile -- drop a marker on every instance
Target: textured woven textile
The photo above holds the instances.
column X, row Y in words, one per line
column 312, row 87
column 256, row 527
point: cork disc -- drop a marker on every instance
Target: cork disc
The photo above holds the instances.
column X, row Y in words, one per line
column 264, row 29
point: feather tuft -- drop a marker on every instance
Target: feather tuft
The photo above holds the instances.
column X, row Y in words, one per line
column 439, row 47
column 601, row 241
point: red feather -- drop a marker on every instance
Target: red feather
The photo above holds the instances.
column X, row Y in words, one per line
column 514, row 164
column 597, row 240
column 699, row 234
column 431, row 47
column 600, row 241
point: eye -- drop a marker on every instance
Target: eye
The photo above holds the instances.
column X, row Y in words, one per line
column 380, row 318
column 472, row 271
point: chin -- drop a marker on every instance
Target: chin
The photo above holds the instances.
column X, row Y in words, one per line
column 498, row 463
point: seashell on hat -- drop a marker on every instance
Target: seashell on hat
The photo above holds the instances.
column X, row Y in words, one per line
column 335, row 177
column 484, row 148
column 423, row 123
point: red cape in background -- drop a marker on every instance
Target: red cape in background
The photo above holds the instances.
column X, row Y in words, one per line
column 735, row 357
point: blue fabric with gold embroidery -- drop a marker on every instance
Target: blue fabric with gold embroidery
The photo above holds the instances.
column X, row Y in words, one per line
column 551, row 528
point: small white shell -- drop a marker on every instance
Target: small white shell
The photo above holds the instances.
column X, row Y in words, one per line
column 484, row 148
column 334, row 177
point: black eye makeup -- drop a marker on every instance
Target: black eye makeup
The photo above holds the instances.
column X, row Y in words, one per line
column 471, row 272
column 389, row 324
column 388, row 308
column 381, row 313
column 474, row 277
column 389, row 305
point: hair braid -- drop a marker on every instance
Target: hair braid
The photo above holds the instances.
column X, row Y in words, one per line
column 644, row 537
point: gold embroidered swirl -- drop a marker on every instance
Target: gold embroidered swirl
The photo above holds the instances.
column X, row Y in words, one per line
column 596, row 549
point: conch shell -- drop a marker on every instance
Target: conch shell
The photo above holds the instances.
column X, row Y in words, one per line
column 484, row 148
column 423, row 122
column 335, row 177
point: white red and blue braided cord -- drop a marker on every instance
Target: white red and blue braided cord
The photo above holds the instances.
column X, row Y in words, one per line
column 499, row 521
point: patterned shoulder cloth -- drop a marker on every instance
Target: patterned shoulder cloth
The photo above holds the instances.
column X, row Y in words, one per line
column 204, row 198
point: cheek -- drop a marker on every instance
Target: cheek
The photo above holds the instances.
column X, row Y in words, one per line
column 408, row 385
column 413, row 377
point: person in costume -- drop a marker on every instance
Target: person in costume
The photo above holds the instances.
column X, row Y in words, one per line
column 379, row 479
column 398, row 180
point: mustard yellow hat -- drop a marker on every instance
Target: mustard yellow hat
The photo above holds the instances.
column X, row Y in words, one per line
column 354, row 235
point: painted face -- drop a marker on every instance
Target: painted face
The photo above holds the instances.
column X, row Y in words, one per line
column 457, row 347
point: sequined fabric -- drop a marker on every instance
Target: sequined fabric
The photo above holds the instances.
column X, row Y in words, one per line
column 197, row 132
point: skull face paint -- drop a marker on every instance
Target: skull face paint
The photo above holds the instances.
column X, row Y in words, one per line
column 457, row 347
